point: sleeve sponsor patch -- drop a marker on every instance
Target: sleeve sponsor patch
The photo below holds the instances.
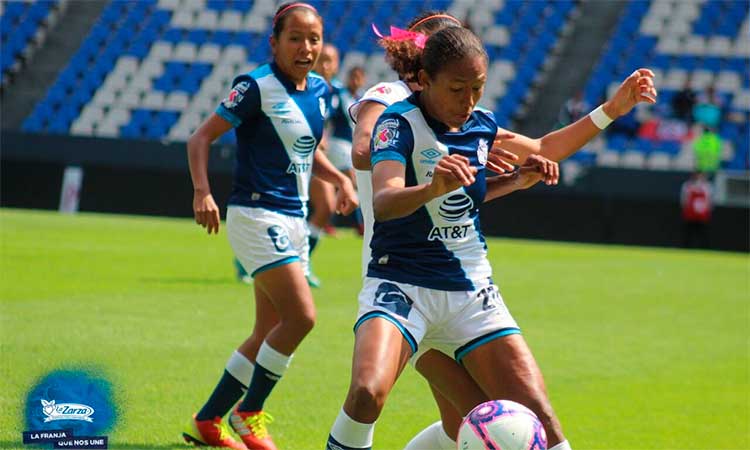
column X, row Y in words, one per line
column 386, row 134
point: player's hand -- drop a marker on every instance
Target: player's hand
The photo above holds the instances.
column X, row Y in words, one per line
column 499, row 159
column 637, row 88
column 205, row 211
column 346, row 197
column 538, row 168
column 451, row 172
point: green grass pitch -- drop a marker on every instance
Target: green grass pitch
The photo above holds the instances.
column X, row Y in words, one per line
column 641, row 348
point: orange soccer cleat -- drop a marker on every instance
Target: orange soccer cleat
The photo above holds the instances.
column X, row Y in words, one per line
column 212, row 433
column 251, row 426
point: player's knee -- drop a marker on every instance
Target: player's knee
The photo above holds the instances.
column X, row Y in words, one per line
column 367, row 398
column 304, row 321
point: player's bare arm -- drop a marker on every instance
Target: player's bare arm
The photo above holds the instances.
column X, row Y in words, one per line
column 560, row 144
column 368, row 115
column 205, row 210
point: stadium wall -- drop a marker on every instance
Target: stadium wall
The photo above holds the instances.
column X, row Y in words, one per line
column 613, row 206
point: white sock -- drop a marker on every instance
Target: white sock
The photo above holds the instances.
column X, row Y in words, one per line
column 564, row 445
column 271, row 360
column 433, row 437
column 240, row 368
column 351, row 433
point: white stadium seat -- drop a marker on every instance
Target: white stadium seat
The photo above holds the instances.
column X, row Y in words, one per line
column 608, row 158
column 719, row 46
column 153, row 100
column 161, row 50
column 81, row 128
column 497, row 35
column 130, row 99
column 183, row 18
column 669, row 45
column 658, row 161
column 152, row 68
column 675, row 79
column 209, row 53
column 728, row 81
column 701, row 79
column 168, row 4
column 694, row 45
column 632, row 159
column 233, row 54
column 255, row 23
column 126, row 65
column 176, row 101
column 741, row 100
column 185, row 51
column 230, row 20
column 104, row 97
column 207, row 20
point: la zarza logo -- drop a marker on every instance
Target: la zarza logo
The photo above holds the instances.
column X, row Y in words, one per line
column 66, row 411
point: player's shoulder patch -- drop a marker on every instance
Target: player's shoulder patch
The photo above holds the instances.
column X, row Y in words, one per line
column 386, row 133
column 237, row 93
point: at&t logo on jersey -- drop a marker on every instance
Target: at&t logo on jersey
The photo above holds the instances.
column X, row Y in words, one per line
column 386, row 134
column 66, row 411
column 303, row 146
column 453, row 209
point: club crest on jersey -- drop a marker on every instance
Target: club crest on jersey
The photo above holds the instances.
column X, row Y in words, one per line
column 386, row 134
column 482, row 151
column 323, row 109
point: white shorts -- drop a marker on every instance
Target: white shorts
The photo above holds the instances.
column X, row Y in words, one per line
column 339, row 152
column 453, row 322
column 364, row 192
column 262, row 239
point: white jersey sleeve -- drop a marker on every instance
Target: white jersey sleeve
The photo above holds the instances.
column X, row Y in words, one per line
column 384, row 93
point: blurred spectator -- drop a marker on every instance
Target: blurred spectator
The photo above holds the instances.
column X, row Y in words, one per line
column 708, row 109
column 683, row 103
column 355, row 81
column 626, row 125
column 697, row 204
column 573, row 109
column 707, row 150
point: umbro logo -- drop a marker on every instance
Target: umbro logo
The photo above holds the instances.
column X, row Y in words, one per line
column 430, row 153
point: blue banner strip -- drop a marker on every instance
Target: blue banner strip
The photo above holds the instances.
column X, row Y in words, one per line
column 87, row 442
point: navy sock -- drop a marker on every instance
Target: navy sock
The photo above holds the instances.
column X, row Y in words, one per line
column 313, row 242
column 260, row 388
column 333, row 444
column 225, row 395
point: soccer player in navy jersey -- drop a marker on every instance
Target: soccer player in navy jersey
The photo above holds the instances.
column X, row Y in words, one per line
column 428, row 285
column 278, row 112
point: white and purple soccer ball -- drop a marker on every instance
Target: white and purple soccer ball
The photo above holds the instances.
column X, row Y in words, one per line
column 501, row 425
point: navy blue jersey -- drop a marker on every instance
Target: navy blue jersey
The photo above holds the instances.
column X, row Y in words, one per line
column 341, row 124
column 439, row 246
column 278, row 129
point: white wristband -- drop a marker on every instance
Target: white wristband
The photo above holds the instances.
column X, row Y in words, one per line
column 600, row 118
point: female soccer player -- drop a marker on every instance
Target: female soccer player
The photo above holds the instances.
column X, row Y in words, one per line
column 428, row 282
column 277, row 111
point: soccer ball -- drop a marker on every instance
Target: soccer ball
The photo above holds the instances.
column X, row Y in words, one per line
column 501, row 425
